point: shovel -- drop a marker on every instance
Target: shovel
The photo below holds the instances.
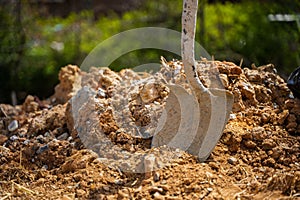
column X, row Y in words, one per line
column 193, row 122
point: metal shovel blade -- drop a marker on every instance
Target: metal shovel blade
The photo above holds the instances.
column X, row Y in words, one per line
column 178, row 123
column 193, row 124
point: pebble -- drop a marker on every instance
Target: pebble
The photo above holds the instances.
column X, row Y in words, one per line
column 155, row 189
column 232, row 160
column 40, row 138
column 258, row 133
column 118, row 182
column 123, row 194
column 101, row 93
column 45, row 167
column 47, row 134
column 282, row 116
column 106, row 188
column 80, row 192
column 77, row 177
column 21, row 135
column 42, row 149
column 158, row 196
column 214, row 165
column 156, row 176
column 14, row 137
column 149, row 92
column 63, row 136
column 265, row 117
column 268, row 144
column 232, row 116
column 26, row 142
column 13, row 125
column 250, row 144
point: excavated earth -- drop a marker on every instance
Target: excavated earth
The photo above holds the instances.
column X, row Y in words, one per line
column 257, row 157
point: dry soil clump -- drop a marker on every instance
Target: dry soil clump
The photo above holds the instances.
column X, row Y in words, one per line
column 258, row 156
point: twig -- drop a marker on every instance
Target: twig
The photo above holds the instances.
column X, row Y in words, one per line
column 296, row 195
column 20, row 162
column 1, row 109
column 237, row 195
column 6, row 196
column 22, row 188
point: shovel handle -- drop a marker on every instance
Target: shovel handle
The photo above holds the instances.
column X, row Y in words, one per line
column 189, row 18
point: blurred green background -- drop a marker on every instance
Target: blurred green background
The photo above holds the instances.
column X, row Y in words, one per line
column 38, row 37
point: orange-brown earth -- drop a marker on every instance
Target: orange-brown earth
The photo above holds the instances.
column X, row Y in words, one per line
column 257, row 157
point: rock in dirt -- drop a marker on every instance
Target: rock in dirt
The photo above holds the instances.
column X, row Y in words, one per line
column 232, row 160
column 13, row 126
column 70, row 80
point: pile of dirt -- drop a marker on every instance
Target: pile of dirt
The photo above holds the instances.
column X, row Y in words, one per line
column 258, row 156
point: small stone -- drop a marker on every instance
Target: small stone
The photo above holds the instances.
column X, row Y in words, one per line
column 224, row 80
column 13, row 126
column 42, row 149
column 158, row 196
column 232, row 116
column 268, row 144
column 26, row 142
column 149, row 92
column 21, row 135
column 269, row 162
column 248, row 135
column 14, row 137
column 80, row 192
column 63, row 136
column 156, row 189
column 40, row 138
column 265, row 117
column 276, row 152
column 282, row 116
column 118, row 182
column 123, row 194
column 47, row 134
column 259, row 133
column 164, row 187
column 77, row 177
column 106, row 188
column 236, row 70
column 156, row 176
column 232, row 160
column 214, row 165
column 101, row 93
column 69, row 138
column 250, row 144
column 45, row 167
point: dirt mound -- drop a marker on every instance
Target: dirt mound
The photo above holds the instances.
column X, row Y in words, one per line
column 258, row 156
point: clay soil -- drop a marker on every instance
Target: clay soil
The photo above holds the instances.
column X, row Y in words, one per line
column 257, row 157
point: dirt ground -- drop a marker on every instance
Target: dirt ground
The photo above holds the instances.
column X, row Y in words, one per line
column 257, row 157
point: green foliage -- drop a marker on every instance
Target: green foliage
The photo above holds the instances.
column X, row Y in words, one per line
column 243, row 31
column 232, row 31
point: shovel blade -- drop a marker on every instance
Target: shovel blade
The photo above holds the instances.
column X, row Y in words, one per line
column 193, row 125
column 179, row 121
column 215, row 107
